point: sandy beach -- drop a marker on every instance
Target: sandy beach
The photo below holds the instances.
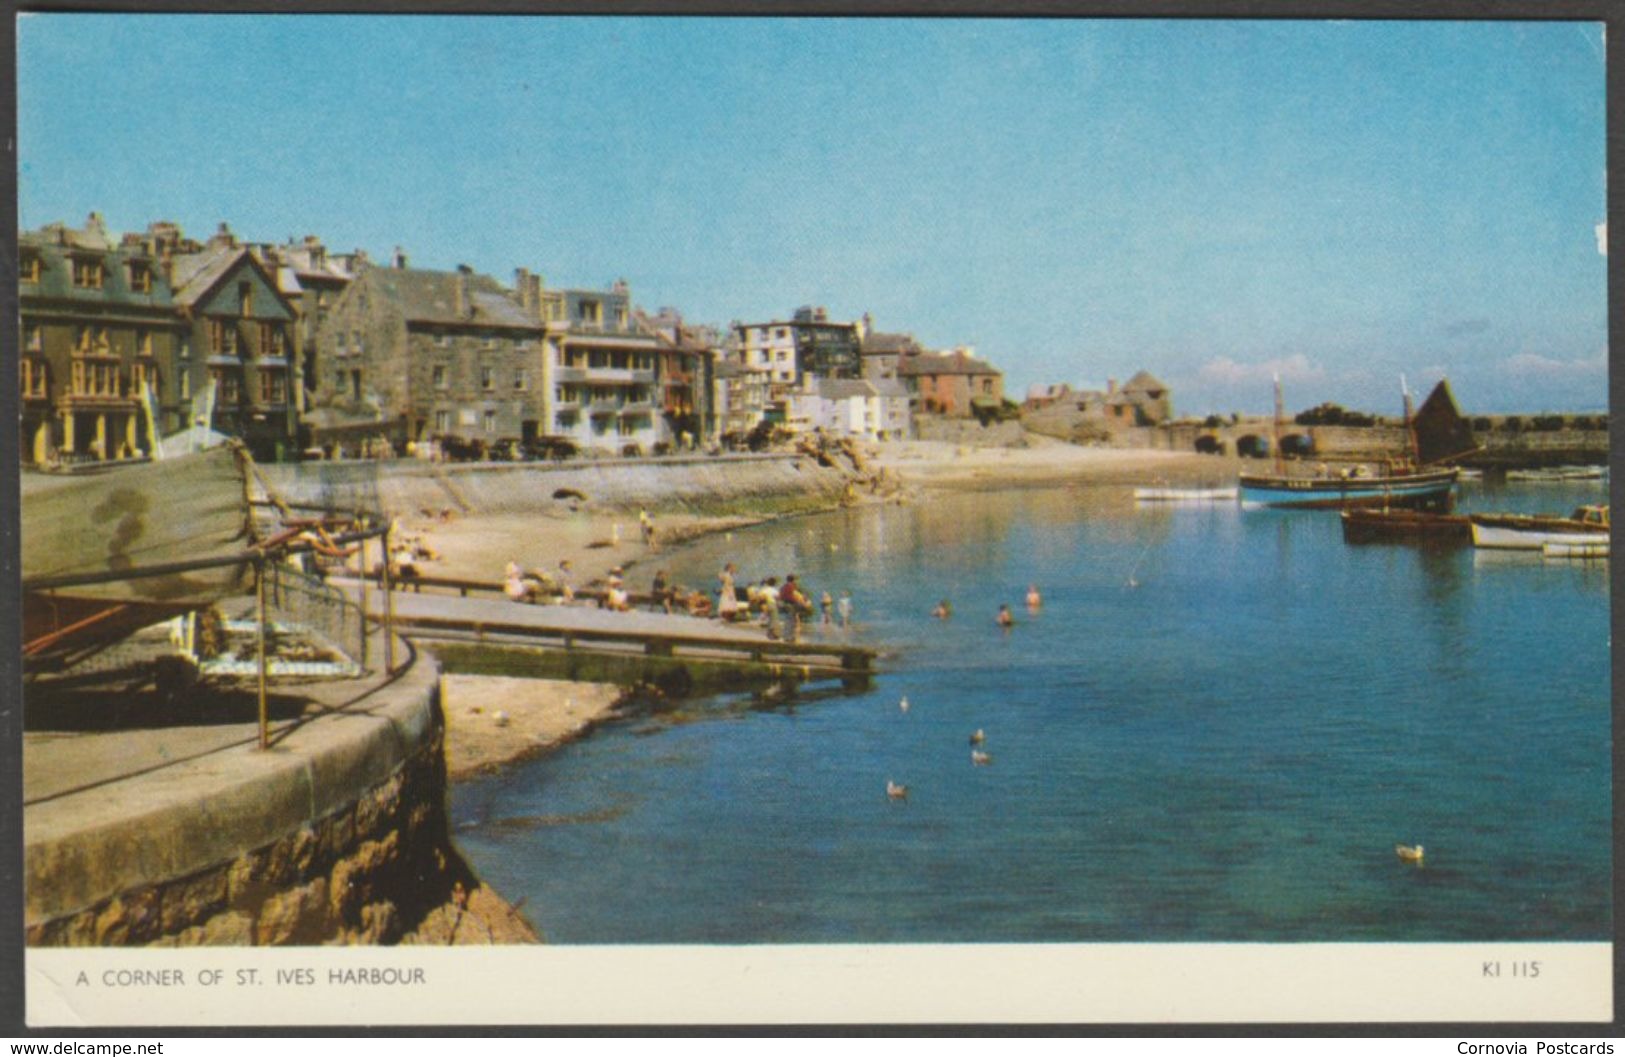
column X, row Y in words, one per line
column 496, row 720
column 479, row 545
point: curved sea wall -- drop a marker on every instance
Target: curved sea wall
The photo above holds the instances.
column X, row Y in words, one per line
column 736, row 484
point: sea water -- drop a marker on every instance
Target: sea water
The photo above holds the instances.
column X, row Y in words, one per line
column 1217, row 727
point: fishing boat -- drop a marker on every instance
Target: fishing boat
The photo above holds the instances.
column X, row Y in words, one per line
column 1587, row 526
column 1185, row 495
column 1376, row 525
column 108, row 552
column 1397, row 485
column 1426, row 490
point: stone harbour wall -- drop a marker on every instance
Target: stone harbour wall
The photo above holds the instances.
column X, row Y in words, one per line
column 339, row 835
column 739, row 484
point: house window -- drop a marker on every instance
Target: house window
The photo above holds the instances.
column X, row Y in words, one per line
column 141, row 277
column 442, row 421
column 29, row 268
column 227, row 386
column 92, row 341
column 488, row 378
column 245, row 298
column 186, row 385
column 439, row 374
column 33, row 379
column 222, row 338
column 443, row 339
column 185, row 349
column 143, row 374
column 33, row 338
column 88, row 274
column 273, row 388
column 521, row 379
column 355, row 342
column 591, row 311
column 490, row 421
column 355, row 385
column 143, row 343
column 490, row 341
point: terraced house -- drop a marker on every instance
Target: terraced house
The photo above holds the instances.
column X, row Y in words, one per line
column 120, row 339
column 602, row 370
column 408, row 355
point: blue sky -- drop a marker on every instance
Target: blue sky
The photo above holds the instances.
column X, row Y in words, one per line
column 1213, row 201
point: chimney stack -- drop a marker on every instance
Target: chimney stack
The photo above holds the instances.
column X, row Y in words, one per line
column 398, row 261
column 462, row 306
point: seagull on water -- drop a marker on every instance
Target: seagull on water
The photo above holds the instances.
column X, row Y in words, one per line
column 895, row 791
column 903, row 704
column 1408, row 852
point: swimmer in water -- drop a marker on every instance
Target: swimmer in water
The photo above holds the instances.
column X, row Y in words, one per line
column 944, row 610
column 1005, row 619
column 1034, row 599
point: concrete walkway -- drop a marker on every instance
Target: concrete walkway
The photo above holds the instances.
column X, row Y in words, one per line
column 117, row 801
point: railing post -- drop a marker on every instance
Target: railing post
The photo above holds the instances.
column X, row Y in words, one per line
column 361, row 581
column 389, row 608
column 259, row 616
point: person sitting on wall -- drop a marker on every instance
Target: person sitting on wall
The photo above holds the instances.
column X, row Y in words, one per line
column 515, row 586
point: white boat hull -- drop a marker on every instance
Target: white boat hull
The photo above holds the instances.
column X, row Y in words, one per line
column 1496, row 537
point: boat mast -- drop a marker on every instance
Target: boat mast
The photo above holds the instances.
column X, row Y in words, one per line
column 1280, row 413
column 1410, row 424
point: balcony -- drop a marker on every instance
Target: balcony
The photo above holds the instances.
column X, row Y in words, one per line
column 611, row 376
column 570, row 374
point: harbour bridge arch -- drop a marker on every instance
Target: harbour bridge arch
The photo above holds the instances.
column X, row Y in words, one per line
column 1253, row 446
column 1297, row 445
column 1208, row 444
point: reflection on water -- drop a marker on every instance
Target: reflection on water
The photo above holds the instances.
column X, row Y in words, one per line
column 1217, row 728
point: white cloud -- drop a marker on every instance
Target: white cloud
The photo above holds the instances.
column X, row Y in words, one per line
column 1294, row 368
column 1602, row 238
column 1529, row 364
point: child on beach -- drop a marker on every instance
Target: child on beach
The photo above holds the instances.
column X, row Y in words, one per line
column 844, row 608
column 826, row 605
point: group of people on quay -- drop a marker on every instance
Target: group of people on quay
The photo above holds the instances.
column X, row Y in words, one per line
column 781, row 607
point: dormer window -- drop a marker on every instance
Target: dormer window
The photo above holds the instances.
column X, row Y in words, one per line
column 29, row 268
column 591, row 311
column 245, row 298
column 141, row 277
column 88, row 274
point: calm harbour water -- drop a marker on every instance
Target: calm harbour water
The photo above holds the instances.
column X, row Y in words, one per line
column 1217, row 728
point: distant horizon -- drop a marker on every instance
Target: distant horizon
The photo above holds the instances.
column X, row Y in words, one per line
column 1216, row 202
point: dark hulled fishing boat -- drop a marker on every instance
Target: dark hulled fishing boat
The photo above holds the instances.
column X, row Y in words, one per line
column 1397, row 486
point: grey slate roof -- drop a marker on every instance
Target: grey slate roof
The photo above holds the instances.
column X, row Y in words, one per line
column 876, row 343
column 844, row 388
column 944, row 363
column 56, row 275
column 430, row 297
